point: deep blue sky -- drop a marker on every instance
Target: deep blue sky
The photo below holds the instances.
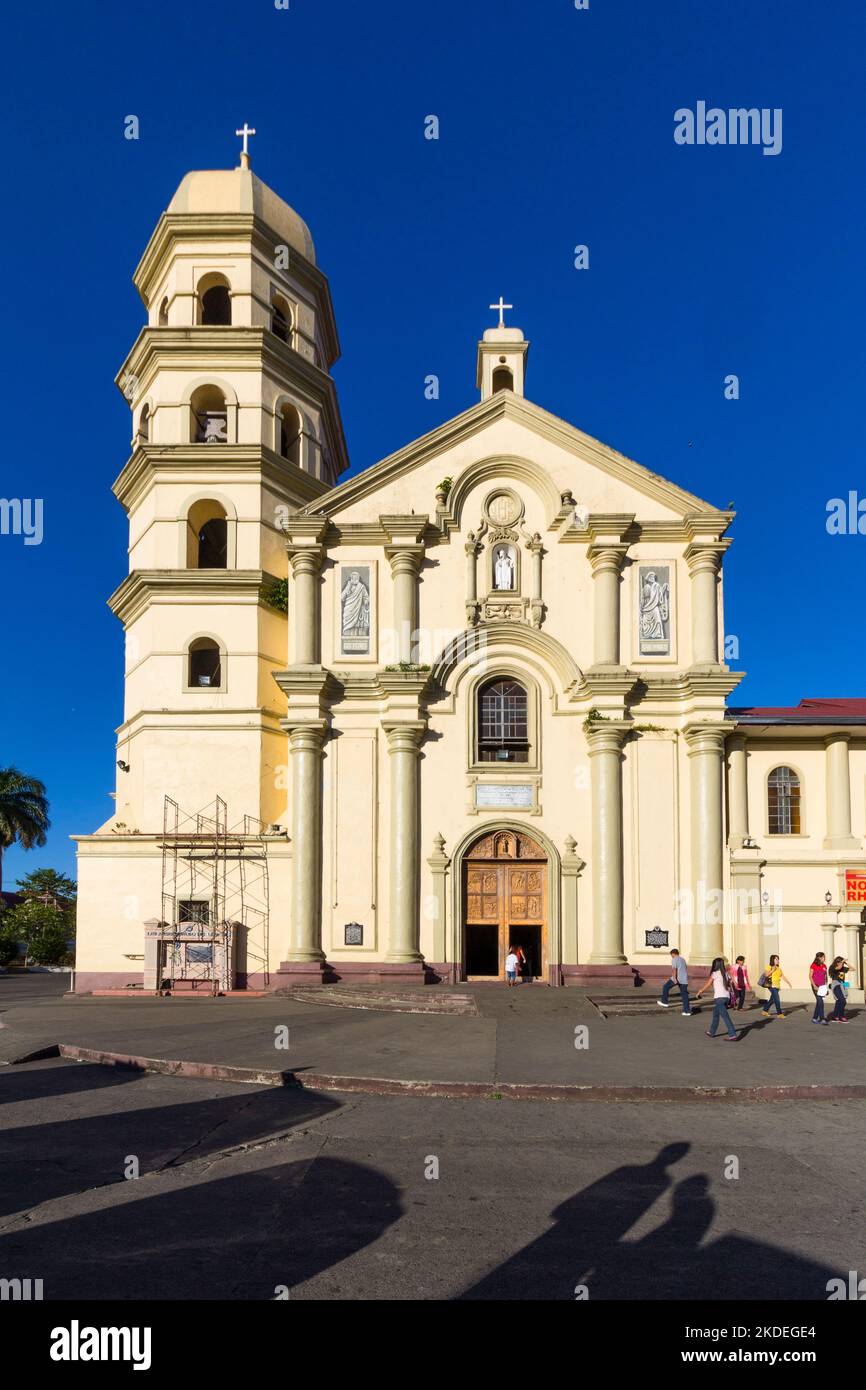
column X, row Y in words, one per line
column 556, row 129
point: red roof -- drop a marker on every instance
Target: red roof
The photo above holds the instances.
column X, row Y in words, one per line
column 829, row 710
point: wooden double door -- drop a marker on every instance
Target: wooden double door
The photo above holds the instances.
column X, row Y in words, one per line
column 505, row 904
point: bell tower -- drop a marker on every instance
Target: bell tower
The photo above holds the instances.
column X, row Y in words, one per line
column 235, row 425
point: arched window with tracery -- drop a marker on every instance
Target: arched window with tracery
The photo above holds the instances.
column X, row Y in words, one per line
column 783, row 802
column 503, row 722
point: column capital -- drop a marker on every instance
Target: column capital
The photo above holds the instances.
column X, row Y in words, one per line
column 405, row 559
column 604, row 736
column 705, row 738
column 404, row 736
column 838, row 736
column 306, row 559
column 705, row 557
column 736, row 743
column 307, row 737
column 606, row 559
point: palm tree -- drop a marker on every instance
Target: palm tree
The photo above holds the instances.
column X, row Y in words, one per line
column 23, row 811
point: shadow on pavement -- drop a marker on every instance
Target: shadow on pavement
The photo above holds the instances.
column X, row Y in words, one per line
column 44, row 1161
column 587, row 1247
column 240, row 1237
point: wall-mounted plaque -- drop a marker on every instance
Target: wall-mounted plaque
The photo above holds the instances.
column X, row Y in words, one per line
column 353, row 934
column 489, row 795
column 656, row 937
column 654, row 609
column 355, row 610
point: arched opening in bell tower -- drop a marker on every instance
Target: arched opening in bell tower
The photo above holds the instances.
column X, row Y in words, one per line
column 208, row 416
column 503, row 379
column 214, row 300
column 290, row 429
column 207, row 536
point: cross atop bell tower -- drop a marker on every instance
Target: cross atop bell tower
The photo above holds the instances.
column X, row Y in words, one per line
column 501, row 357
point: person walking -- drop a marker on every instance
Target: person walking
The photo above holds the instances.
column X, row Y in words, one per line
column 741, row 982
column 721, row 984
column 511, row 968
column 679, row 976
column 522, row 966
column 838, row 971
column 772, row 980
column 818, row 979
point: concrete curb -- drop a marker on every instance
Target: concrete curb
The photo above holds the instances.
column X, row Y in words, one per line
column 452, row 1090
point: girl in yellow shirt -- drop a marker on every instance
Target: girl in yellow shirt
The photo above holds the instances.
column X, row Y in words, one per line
column 775, row 976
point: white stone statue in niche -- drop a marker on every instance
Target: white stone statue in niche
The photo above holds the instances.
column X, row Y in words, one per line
column 503, row 569
column 654, row 603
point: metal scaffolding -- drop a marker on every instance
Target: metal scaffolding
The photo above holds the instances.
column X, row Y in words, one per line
column 214, row 921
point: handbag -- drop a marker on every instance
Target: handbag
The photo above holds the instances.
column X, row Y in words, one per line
column 764, row 980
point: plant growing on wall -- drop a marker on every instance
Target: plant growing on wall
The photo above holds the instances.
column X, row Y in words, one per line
column 277, row 596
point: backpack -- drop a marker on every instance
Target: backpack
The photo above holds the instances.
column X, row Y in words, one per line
column 765, row 981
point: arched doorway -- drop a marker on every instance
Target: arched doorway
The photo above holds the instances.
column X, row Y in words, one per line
column 505, row 903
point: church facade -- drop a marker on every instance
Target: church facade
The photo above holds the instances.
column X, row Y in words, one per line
column 472, row 697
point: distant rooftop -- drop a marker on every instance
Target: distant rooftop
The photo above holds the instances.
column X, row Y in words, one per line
column 824, row 710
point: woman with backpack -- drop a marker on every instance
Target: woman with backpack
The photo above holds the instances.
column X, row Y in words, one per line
column 771, row 980
column 721, row 983
column 818, row 979
column 838, row 970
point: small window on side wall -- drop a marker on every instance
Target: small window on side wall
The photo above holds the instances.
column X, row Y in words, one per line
column 205, row 665
column 783, row 802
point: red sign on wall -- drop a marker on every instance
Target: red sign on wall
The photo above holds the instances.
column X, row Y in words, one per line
column 855, row 885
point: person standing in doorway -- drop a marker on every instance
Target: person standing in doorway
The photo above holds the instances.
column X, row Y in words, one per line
column 818, row 979
column 522, row 966
column 741, row 982
column 838, row 972
column 720, row 981
column 511, row 968
column 773, row 977
column 679, row 976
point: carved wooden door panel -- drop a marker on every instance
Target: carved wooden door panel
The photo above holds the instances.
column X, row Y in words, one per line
column 505, row 903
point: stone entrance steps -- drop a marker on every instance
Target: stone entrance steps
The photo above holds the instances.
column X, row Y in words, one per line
column 422, row 1001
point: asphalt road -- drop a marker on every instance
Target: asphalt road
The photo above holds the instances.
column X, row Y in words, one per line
column 241, row 1191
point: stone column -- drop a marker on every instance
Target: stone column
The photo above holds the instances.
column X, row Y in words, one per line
column 706, row 752
column 405, row 564
column 838, row 794
column 605, row 754
column 471, row 549
column 852, row 955
column 438, row 863
column 306, row 927
column 572, row 864
column 828, row 930
column 403, row 936
column 738, row 791
column 536, row 603
column 306, row 567
column 607, row 562
column 704, row 561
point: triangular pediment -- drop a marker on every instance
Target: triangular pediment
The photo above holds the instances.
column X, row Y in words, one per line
column 459, row 433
